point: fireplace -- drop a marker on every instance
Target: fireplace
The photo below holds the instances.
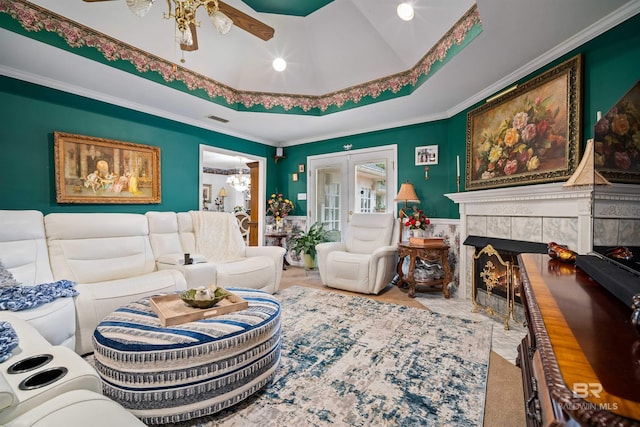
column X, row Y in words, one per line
column 495, row 276
column 537, row 214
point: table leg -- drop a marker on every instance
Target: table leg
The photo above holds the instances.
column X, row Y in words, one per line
column 399, row 271
column 410, row 279
column 444, row 255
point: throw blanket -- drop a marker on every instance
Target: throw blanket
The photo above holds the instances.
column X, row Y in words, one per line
column 218, row 236
column 8, row 340
column 21, row 297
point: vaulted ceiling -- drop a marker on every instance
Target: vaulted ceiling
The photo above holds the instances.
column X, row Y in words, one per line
column 352, row 65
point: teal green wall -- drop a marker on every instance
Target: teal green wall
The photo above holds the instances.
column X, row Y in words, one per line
column 31, row 113
column 611, row 67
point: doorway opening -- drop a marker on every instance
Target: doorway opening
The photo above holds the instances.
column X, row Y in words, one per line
column 228, row 184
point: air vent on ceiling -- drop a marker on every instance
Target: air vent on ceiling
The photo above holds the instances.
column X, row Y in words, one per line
column 220, row 119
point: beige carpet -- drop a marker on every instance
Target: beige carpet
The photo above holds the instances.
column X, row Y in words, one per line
column 504, row 404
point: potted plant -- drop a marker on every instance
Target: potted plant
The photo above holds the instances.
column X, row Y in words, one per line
column 305, row 243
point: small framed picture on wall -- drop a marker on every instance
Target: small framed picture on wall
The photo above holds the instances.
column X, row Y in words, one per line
column 206, row 193
column 427, row 155
column 294, row 177
column 301, row 168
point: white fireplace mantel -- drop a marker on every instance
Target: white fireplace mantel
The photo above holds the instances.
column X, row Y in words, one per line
column 537, row 213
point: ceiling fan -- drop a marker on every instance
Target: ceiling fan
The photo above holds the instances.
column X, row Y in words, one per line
column 221, row 14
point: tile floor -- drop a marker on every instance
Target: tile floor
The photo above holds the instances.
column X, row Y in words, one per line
column 505, row 343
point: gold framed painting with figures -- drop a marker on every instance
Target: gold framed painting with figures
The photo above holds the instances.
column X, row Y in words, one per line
column 530, row 133
column 97, row 170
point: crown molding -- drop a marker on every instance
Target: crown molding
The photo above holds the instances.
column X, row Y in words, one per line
column 603, row 25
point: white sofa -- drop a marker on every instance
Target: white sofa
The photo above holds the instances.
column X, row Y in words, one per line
column 111, row 258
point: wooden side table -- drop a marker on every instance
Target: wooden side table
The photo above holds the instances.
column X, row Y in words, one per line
column 279, row 237
column 436, row 251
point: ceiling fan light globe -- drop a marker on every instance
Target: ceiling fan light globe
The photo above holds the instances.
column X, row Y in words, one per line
column 405, row 11
column 221, row 22
column 140, row 7
column 184, row 36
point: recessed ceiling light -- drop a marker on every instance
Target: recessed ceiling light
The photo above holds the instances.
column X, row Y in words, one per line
column 405, row 11
column 279, row 64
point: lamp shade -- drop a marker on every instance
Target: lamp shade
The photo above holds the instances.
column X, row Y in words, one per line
column 407, row 194
column 222, row 192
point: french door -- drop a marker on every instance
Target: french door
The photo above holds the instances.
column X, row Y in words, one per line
column 348, row 182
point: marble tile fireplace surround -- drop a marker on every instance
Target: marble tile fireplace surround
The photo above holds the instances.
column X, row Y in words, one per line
column 544, row 213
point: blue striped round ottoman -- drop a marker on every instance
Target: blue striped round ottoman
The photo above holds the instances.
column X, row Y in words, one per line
column 170, row 374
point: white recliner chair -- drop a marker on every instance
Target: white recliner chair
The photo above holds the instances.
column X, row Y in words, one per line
column 366, row 261
column 23, row 252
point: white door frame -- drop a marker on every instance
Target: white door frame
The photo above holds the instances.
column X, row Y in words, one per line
column 344, row 158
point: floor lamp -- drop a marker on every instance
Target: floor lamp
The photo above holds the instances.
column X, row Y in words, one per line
column 407, row 194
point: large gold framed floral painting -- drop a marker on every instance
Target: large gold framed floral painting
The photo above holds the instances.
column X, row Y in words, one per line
column 529, row 135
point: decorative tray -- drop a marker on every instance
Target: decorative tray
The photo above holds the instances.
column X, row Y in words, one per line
column 171, row 310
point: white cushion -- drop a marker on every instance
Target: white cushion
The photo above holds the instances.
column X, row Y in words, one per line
column 163, row 234
column 96, row 300
column 255, row 273
column 23, row 246
column 349, row 271
column 55, row 321
column 368, row 232
column 76, row 408
column 95, row 247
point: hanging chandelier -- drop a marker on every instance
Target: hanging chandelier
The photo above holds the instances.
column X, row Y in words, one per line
column 239, row 181
column 184, row 13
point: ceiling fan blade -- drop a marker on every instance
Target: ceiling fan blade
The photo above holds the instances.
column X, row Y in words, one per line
column 194, row 36
column 246, row 22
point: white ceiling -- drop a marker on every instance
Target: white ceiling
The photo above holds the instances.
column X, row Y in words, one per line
column 345, row 43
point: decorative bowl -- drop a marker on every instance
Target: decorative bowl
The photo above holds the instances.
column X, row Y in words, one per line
column 189, row 297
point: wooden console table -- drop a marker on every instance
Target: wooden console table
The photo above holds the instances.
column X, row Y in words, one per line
column 580, row 357
column 437, row 251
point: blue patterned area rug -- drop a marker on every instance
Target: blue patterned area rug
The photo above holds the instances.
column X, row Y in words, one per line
column 353, row 361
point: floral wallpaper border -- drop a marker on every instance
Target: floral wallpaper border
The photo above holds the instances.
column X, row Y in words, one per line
column 34, row 18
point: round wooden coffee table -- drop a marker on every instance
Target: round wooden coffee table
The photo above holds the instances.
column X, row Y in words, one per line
column 176, row 373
